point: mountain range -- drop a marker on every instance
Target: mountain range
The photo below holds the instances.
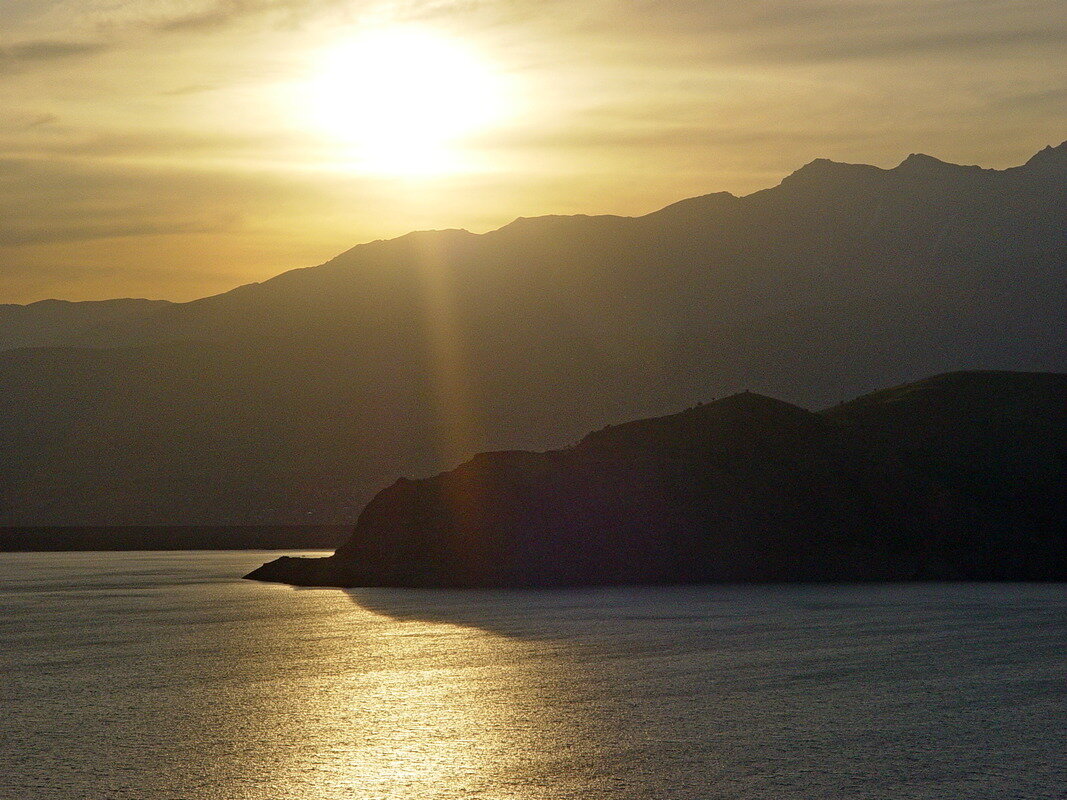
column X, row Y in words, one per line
column 958, row 477
column 295, row 399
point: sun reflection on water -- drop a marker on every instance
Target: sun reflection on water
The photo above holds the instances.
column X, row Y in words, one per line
column 415, row 709
column 148, row 676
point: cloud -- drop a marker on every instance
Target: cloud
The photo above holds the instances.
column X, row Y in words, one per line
column 213, row 17
column 51, row 49
column 159, row 143
column 195, row 88
column 772, row 31
column 876, row 44
column 1054, row 99
column 222, row 13
column 40, row 120
column 185, row 152
column 53, row 201
column 20, row 55
column 18, row 235
column 26, row 122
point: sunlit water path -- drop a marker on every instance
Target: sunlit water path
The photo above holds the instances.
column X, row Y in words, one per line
column 160, row 676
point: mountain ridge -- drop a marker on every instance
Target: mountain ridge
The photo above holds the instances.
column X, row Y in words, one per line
column 293, row 400
column 1050, row 155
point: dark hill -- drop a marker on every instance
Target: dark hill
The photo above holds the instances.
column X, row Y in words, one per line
column 959, row 477
column 292, row 400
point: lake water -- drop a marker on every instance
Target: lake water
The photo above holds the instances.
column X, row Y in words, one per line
column 162, row 676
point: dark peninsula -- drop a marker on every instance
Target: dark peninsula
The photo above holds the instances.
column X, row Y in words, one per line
column 961, row 476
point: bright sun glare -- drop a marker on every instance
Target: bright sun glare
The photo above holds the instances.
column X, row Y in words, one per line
column 402, row 100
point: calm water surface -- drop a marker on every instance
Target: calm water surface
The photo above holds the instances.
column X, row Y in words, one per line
column 161, row 676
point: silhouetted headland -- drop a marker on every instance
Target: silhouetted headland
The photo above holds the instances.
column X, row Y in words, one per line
column 958, row 477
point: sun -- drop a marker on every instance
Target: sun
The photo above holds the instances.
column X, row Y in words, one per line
column 401, row 101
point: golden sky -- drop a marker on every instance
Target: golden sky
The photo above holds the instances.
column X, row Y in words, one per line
column 177, row 148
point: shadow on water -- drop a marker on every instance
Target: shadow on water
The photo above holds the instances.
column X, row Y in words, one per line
column 730, row 609
column 529, row 614
column 542, row 614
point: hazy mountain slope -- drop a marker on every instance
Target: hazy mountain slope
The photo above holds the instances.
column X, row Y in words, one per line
column 57, row 323
column 960, row 477
column 405, row 356
column 193, row 432
column 828, row 232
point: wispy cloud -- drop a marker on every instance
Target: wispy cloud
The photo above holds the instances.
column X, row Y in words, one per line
column 40, row 120
column 160, row 143
column 16, row 235
column 195, row 88
column 51, row 49
column 50, row 202
column 222, row 13
column 875, row 44
column 25, row 122
column 25, row 54
column 215, row 16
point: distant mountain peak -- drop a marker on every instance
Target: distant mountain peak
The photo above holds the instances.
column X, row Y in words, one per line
column 823, row 169
column 698, row 206
column 821, row 165
column 1054, row 157
column 922, row 161
column 922, row 164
